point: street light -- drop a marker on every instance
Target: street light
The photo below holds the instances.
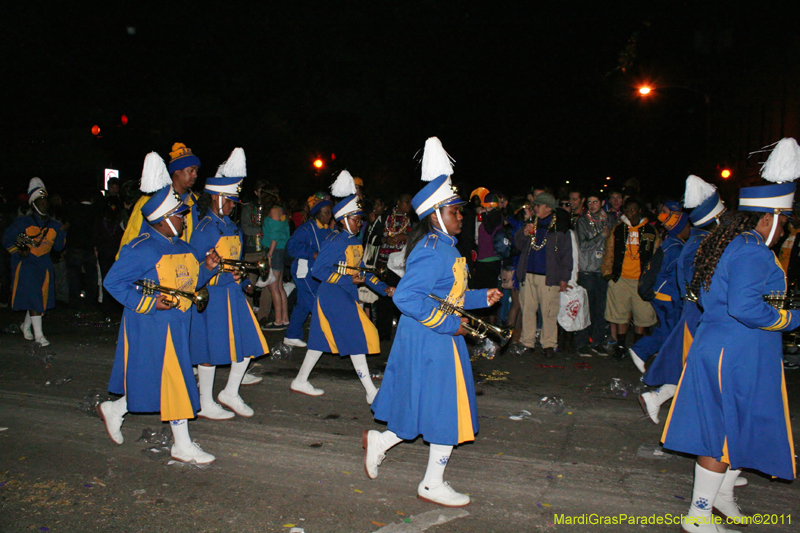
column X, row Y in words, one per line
column 644, row 90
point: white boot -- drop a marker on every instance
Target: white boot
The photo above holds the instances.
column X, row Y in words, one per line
column 25, row 327
column 376, row 444
column 636, row 360
column 433, row 488
column 704, row 492
column 229, row 397
column 111, row 414
column 725, row 504
column 362, row 369
column 36, row 322
column 184, row 449
column 651, row 401
column 300, row 383
column 208, row 407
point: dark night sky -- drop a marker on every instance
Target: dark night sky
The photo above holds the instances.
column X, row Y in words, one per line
column 519, row 92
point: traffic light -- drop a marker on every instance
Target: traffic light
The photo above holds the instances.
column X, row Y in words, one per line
column 95, row 130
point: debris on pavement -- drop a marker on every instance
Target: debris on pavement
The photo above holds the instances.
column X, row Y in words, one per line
column 553, row 404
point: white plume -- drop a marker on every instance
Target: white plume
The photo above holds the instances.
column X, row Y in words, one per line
column 35, row 183
column 783, row 164
column 235, row 166
column 344, row 185
column 435, row 161
column 219, row 171
column 697, row 192
column 155, row 175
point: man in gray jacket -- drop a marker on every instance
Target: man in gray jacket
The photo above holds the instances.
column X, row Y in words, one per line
column 591, row 230
column 543, row 270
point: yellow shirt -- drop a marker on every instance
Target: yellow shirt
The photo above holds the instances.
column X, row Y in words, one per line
column 631, row 264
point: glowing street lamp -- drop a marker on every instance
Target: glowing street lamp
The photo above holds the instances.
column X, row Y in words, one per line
column 318, row 163
column 644, row 90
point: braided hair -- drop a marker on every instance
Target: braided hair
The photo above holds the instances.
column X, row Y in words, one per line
column 730, row 225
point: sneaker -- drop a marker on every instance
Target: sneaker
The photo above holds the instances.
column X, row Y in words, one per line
column 251, row 379
column 585, row 351
column 294, row 342
column 636, row 360
column 730, row 512
column 549, row 353
column 689, row 526
column 235, row 404
column 619, row 352
column 42, row 341
column 26, row 332
column 194, row 455
column 304, row 387
column 649, row 407
column 214, row 411
column 443, row 495
column 372, row 458
column 741, row 481
column 112, row 421
column 272, row 326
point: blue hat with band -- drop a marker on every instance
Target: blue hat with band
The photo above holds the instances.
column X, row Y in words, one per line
column 437, row 168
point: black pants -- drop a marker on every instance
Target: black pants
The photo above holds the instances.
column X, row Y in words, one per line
column 386, row 310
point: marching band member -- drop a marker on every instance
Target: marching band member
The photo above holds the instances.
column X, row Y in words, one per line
column 182, row 175
column 730, row 408
column 228, row 331
column 427, row 387
column 304, row 246
column 29, row 240
column 152, row 368
column 338, row 323
column 665, row 371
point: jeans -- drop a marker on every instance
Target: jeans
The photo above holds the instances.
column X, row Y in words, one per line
column 596, row 288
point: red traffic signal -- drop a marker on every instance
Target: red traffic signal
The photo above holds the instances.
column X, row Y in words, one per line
column 95, row 130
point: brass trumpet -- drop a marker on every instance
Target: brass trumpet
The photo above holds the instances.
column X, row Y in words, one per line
column 476, row 327
column 198, row 298
column 235, row 266
column 342, row 268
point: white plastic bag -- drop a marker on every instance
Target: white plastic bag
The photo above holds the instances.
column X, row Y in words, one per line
column 397, row 263
column 573, row 309
column 367, row 295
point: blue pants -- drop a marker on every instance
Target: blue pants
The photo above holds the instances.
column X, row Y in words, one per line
column 668, row 314
column 306, row 299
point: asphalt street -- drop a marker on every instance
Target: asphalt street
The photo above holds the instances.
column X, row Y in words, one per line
column 298, row 463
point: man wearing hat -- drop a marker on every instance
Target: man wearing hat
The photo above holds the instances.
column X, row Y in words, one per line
column 183, row 167
column 338, row 323
column 29, row 240
column 304, row 246
column 544, row 268
column 666, row 369
column 730, row 409
column 667, row 302
column 227, row 332
column 152, row 366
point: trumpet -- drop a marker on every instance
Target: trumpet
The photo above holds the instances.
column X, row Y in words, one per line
column 342, row 268
column 198, row 298
column 476, row 327
column 235, row 266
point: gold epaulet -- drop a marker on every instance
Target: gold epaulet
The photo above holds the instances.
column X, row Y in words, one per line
column 203, row 222
column 435, row 240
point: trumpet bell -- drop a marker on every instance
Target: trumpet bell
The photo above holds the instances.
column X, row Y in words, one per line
column 201, row 299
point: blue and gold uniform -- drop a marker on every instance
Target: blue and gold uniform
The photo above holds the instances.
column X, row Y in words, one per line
column 668, row 365
column 32, row 276
column 731, row 400
column 427, row 387
column 303, row 245
column 152, row 365
column 338, row 323
column 227, row 331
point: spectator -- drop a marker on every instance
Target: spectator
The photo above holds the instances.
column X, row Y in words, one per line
column 276, row 235
column 395, row 234
column 592, row 230
column 629, row 248
column 106, row 236
column 80, row 256
column 253, row 215
column 544, row 269
column 577, row 207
